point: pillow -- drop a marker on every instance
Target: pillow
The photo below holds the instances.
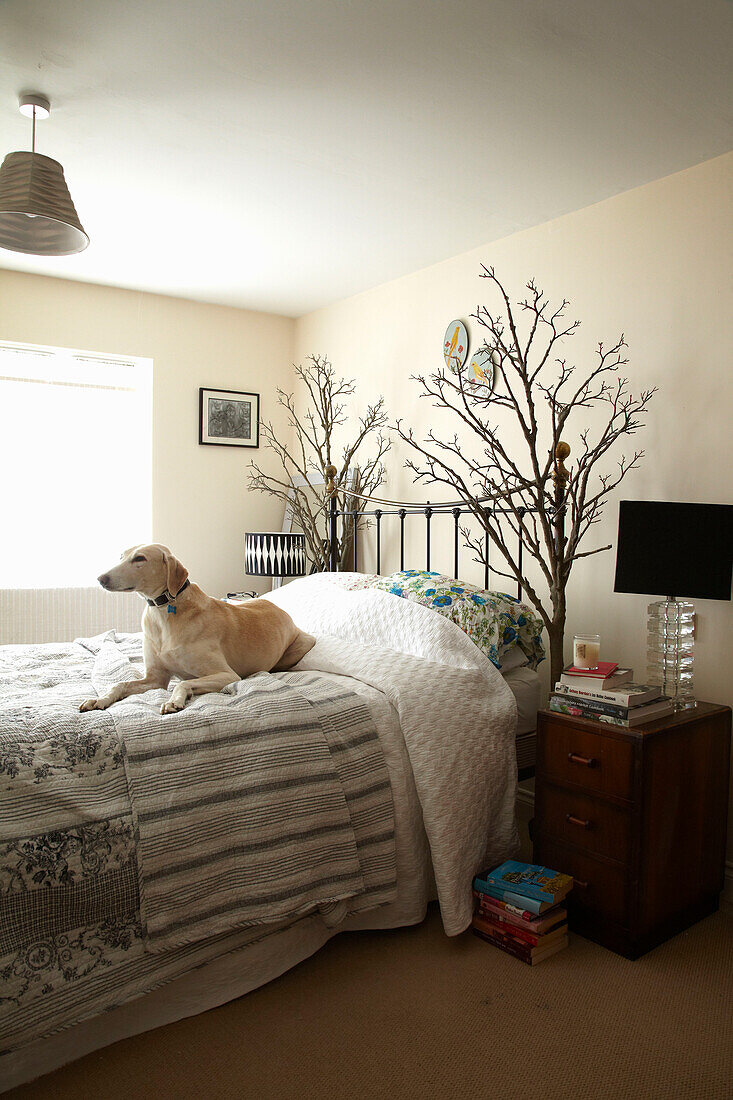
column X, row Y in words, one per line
column 351, row 581
column 513, row 659
column 496, row 622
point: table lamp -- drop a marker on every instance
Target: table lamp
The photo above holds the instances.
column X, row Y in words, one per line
column 275, row 554
column 674, row 550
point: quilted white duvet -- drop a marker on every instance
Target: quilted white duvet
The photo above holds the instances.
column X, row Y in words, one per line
column 457, row 715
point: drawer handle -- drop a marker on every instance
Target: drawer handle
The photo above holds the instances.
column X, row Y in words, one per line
column 586, row 761
column 577, row 821
column 579, row 882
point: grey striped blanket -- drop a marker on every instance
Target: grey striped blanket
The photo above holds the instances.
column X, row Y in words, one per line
column 257, row 805
column 123, row 830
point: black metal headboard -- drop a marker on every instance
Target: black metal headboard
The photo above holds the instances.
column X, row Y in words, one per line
column 429, row 512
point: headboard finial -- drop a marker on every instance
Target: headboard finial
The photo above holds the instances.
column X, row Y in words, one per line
column 561, row 474
column 330, row 472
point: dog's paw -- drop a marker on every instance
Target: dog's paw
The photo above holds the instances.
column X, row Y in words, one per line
column 172, row 705
column 177, row 701
column 94, row 704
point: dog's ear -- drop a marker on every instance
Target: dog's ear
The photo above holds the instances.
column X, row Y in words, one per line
column 177, row 574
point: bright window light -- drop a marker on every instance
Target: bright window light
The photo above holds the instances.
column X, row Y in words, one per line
column 75, row 463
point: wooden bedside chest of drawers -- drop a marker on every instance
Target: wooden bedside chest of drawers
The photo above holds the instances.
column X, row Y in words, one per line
column 638, row 818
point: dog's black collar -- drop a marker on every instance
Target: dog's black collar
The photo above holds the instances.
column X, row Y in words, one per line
column 165, row 597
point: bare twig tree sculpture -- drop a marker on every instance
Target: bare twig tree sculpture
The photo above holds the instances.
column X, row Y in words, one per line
column 516, row 463
column 304, row 458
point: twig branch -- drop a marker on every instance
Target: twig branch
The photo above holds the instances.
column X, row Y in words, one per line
column 544, row 395
column 305, row 456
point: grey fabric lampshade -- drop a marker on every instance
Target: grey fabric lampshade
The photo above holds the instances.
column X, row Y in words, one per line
column 37, row 215
column 274, row 554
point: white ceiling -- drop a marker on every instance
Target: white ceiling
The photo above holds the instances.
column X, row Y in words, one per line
column 282, row 155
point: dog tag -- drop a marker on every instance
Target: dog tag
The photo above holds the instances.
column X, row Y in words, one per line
column 171, row 609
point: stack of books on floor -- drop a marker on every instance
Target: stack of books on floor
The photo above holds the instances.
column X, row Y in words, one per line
column 609, row 694
column 518, row 909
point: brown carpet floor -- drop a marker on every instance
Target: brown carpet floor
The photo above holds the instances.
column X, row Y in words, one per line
column 413, row 1014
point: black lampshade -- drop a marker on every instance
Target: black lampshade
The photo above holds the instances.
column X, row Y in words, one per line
column 670, row 549
column 274, row 554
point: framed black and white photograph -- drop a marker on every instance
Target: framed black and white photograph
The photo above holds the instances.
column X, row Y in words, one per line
column 229, row 419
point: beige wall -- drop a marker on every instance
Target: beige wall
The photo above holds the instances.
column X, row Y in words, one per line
column 201, row 504
column 653, row 263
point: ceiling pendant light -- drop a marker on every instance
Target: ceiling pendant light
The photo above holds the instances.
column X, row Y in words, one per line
column 37, row 215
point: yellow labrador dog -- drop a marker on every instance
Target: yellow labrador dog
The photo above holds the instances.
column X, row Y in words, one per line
column 207, row 642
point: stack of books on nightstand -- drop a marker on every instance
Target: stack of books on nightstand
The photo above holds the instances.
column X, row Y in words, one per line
column 609, row 694
column 518, row 909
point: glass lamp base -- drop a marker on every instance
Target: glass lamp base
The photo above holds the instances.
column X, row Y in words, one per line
column 670, row 643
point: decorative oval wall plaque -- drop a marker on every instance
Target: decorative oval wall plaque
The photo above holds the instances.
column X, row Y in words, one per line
column 482, row 366
column 455, row 346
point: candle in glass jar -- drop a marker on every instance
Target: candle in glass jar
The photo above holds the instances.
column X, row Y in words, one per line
column 586, row 650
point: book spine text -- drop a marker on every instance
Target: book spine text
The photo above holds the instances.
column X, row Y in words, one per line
column 512, row 910
column 601, row 706
column 533, row 905
column 615, row 698
column 514, row 949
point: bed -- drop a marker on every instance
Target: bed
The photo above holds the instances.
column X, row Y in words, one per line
column 505, row 628
column 409, row 731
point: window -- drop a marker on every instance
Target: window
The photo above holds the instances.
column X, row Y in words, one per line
column 75, row 463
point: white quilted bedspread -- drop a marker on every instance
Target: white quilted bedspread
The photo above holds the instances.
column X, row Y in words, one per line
column 457, row 715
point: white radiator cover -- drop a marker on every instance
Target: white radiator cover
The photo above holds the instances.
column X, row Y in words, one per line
column 30, row 615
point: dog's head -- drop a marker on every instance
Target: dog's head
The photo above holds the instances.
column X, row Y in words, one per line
column 149, row 570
